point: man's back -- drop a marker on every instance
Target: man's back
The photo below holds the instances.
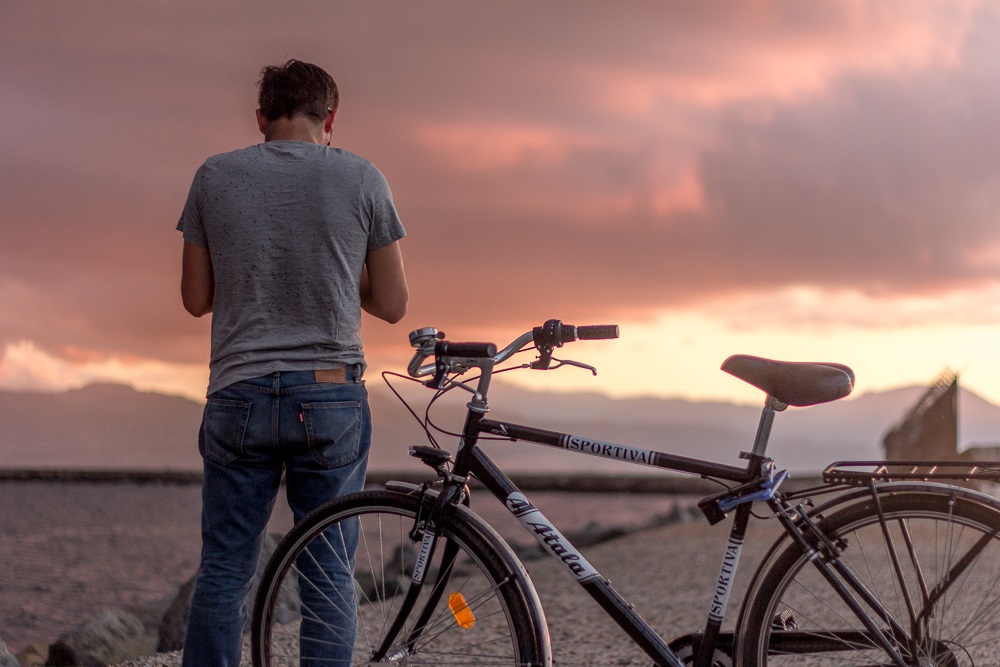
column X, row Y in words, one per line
column 288, row 225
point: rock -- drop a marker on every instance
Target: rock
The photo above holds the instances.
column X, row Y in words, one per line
column 150, row 615
column 173, row 624
column 108, row 638
column 33, row 655
column 6, row 659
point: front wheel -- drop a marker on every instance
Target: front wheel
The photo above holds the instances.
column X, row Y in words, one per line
column 335, row 586
column 932, row 567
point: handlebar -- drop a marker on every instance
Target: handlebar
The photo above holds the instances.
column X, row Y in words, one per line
column 462, row 356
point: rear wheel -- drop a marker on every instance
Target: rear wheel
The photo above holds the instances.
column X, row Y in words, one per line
column 934, row 567
column 318, row 606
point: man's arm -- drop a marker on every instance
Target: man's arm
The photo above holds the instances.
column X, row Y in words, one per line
column 197, row 280
column 383, row 284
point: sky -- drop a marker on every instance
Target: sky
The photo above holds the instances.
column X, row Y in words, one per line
column 809, row 181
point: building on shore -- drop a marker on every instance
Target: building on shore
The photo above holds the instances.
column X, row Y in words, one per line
column 929, row 431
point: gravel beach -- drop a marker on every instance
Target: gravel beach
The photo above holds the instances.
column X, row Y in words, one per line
column 668, row 573
column 71, row 550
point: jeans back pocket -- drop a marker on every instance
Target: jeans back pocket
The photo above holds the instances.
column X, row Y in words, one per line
column 333, row 431
column 223, row 428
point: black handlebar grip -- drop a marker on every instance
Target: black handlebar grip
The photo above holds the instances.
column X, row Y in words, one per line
column 554, row 333
column 469, row 350
column 597, row 332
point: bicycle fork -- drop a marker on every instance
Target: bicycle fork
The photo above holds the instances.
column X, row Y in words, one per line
column 424, row 529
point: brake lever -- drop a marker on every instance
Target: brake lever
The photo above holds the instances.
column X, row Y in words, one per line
column 570, row 362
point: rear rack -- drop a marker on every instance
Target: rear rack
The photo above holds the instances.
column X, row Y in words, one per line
column 857, row 473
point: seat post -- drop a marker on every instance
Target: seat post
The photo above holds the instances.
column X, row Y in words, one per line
column 771, row 406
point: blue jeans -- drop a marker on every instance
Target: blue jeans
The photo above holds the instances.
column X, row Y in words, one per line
column 319, row 434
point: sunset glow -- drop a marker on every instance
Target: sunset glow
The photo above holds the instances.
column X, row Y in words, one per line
column 803, row 181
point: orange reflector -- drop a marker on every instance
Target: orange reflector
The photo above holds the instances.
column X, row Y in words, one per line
column 463, row 615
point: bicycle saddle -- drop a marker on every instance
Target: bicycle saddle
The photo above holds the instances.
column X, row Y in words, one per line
column 795, row 383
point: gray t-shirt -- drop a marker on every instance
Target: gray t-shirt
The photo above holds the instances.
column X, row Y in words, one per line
column 288, row 225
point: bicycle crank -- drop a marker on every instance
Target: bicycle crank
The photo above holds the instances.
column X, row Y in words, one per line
column 687, row 649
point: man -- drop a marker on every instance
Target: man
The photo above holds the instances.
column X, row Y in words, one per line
column 285, row 243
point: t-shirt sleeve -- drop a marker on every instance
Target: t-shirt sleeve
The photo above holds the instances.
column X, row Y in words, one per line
column 191, row 224
column 386, row 227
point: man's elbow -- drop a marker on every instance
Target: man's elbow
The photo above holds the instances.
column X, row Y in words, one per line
column 395, row 313
column 196, row 305
column 198, row 309
column 394, row 309
column 387, row 306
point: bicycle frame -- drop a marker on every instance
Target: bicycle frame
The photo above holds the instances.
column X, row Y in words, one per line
column 471, row 459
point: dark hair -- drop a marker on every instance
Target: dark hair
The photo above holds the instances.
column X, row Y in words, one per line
column 296, row 88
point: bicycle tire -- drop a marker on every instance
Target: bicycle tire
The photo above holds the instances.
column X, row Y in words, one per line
column 494, row 589
column 951, row 574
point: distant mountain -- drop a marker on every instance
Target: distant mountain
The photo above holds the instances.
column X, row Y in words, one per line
column 98, row 426
column 116, row 427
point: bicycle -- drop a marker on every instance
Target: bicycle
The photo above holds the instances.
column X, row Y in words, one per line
column 881, row 564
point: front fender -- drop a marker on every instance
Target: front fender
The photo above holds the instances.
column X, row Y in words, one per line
column 511, row 560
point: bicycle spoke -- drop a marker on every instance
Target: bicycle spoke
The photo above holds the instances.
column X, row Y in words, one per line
column 501, row 629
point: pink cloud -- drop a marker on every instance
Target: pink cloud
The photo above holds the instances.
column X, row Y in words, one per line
column 546, row 162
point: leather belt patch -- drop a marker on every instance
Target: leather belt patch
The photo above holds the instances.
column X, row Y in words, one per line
column 334, row 375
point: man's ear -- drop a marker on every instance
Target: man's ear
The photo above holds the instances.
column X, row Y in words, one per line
column 261, row 122
column 330, row 118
